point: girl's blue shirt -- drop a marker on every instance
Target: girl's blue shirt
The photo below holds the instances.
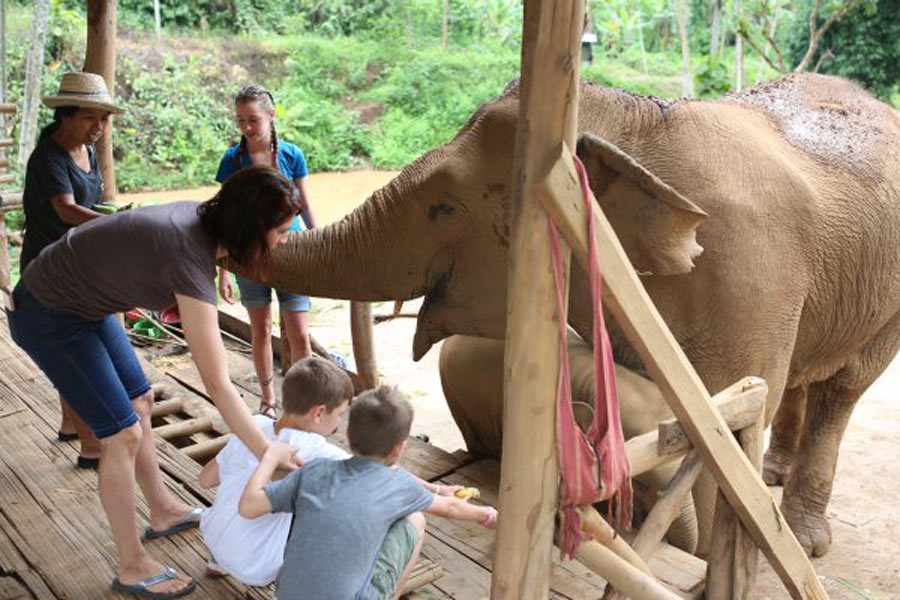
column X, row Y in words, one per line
column 291, row 163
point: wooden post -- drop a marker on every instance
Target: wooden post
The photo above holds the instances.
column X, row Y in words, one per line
column 100, row 58
column 5, row 277
column 363, row 343
column 733, row 557
column 682, row 388
column 548, row 106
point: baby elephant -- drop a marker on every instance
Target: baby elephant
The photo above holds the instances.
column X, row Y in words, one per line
column 472, row 378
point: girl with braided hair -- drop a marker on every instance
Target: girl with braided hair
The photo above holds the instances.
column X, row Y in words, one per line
column 254, row 110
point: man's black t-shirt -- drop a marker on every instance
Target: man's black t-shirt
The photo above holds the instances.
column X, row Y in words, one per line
column 52, row 171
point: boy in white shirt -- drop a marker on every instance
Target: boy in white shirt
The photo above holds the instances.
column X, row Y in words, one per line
column 315, row 395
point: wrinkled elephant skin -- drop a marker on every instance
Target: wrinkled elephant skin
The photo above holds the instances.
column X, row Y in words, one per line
column 792, row 190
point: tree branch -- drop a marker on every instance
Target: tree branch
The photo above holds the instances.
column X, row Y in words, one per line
column 815, row 35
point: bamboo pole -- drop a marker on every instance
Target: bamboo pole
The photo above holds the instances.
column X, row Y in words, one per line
column 184, row 428
column 100, row 58
column 548, row 110
column 363, row 343
column 621, row 574
column 682, row 388
column 596, row 525
column 205, row 448
column 166, row 407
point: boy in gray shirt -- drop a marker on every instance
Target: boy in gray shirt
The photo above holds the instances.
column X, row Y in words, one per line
column 358, row 526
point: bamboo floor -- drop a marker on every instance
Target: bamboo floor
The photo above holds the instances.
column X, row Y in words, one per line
column 55, row 542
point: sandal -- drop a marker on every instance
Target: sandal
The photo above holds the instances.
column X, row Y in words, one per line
column 188, row 521
column 267, row 409
column 140, row 589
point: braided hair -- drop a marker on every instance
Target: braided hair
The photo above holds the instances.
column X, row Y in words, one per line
column 263, row 97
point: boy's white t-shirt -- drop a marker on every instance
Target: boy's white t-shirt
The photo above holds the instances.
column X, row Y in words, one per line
column 252, row 550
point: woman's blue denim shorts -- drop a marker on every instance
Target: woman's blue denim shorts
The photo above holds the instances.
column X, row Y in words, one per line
column 257, row 295
column 91, row 362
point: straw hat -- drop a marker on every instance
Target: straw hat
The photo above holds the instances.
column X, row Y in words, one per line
column 84, row 90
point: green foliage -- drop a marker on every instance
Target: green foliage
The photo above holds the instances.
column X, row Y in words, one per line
column 863, row 46
column 171, row 136
column 713, row 77
column 431, row 95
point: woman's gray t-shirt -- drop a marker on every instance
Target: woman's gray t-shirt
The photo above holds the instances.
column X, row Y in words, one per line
column 138, row 258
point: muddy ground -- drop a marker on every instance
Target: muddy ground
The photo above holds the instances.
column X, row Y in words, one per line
column 864, row 562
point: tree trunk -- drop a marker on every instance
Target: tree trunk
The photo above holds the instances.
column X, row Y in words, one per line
column 34, row 69
column 409, row 26
column 687, row 75
column 157, row 20
column 643, row 47
column 738, row 48
column 716, row 25
column 446, row 21
column 100, row 58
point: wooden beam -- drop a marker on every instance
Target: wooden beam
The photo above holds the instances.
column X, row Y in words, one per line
column 166, row 407
column 6, row 142
column 667, row 506
column 548, row 111
column 737, row 403
column 740, row 404
column 7, row 109
column 559, row 192
column 7, row 179
column 184, row 428
column 205, row 449
column 10, row 201
column 621, row 574
column 100, row 58
column 733, row 556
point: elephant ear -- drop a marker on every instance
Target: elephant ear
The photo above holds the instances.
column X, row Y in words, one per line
column 656, row 225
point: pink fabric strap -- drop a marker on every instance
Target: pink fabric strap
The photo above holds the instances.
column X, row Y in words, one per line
column 594, row 464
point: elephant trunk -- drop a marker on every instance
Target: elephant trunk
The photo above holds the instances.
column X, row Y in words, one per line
column 367, row 256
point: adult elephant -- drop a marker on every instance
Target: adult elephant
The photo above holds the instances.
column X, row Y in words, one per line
column 472, row 379
column 795, row 187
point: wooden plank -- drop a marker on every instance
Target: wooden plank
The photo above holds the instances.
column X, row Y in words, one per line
column 548, row 112
column 7, row 108
column 6, row 142
column 736, row 403
column 10, row 589
column 560, row 194
column 740, row 404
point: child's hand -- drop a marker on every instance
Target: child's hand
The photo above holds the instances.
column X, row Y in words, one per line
column 490, row 517
column 284, row 456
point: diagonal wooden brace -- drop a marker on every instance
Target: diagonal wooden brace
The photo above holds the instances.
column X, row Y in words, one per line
column 560, row 194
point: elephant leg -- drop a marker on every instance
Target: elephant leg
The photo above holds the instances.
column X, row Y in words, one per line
column 786, row 430
column 808, row 488
column 828, row 409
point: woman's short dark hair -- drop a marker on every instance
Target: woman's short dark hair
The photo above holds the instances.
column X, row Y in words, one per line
column 250, row 203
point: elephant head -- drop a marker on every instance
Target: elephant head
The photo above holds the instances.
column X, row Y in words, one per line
column 441, row 229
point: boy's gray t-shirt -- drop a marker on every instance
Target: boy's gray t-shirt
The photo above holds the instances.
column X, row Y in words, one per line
column 342, row 512
column 137, row 258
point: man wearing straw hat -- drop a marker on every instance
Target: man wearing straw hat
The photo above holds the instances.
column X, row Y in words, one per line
column 62, row 184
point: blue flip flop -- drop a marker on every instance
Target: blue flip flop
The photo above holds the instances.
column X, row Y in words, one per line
column 140, row 590
column 189, row 521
